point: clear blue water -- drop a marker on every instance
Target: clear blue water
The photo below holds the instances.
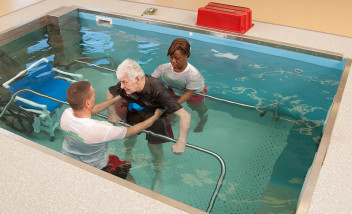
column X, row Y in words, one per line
column 266, row 159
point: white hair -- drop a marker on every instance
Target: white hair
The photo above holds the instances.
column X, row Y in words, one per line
column 131, row 68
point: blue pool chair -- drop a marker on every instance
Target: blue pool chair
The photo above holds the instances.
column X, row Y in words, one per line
column 43, row 78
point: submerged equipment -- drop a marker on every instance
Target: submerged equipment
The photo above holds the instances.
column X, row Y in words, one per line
column 42, row 77
column 17, row 118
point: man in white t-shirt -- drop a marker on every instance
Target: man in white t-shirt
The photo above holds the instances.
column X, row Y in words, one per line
column 184, row 79
column 87, row 139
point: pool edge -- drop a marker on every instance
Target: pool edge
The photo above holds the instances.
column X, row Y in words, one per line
column 326, row 137
column 312, row 180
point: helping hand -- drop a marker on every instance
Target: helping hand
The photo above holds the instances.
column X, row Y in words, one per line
column 114, row 118
column 158, row 112
column 178, row 148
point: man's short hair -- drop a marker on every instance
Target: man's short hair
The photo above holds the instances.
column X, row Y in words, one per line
column 181, row 45
column 131, row 68
column 77, row 93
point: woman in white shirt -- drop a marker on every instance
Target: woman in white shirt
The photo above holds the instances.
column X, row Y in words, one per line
column 183, row 79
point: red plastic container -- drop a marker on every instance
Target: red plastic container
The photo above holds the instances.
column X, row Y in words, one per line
column 225, row 17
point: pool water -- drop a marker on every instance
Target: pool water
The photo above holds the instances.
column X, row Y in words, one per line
column 266, row 157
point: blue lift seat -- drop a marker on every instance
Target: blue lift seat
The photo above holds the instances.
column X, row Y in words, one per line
column 42, row 78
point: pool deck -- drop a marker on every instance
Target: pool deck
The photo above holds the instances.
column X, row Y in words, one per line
column 34, row 179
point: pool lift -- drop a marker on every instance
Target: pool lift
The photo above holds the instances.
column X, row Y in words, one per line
column 29, row 111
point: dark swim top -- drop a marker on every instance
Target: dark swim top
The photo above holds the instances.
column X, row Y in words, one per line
column 154, row 95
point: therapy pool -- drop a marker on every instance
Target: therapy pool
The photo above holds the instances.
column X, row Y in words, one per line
column 267, row 147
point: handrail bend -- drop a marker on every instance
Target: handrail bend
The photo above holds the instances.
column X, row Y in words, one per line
column 221, row 161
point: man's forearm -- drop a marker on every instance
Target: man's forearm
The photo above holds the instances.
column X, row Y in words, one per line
column 102, row 106
column 111, row 109
column 142, row 125
column 185, row 121
column 188, row 94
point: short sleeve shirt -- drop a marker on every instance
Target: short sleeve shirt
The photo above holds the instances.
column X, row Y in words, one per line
column 86, row 139
column 154, row 95
column 190, row 78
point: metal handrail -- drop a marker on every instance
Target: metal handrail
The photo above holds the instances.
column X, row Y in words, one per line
column 221, row 161
column 259, row 108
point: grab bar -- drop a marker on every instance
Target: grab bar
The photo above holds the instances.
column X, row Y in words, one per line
column 259, row 108
column 222, row 163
